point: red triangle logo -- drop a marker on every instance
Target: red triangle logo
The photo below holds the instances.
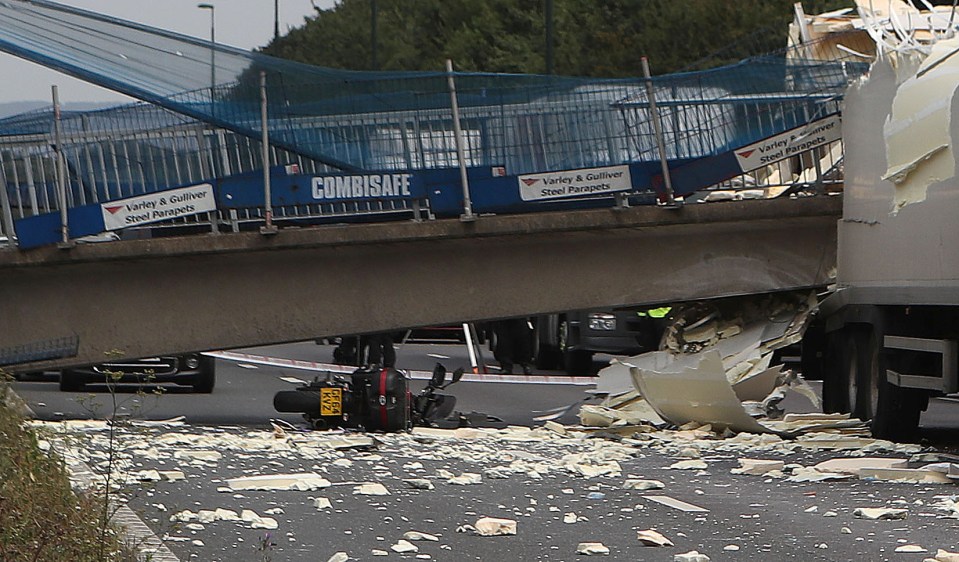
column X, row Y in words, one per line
column 746, row 153
column 530, row 181
column 113, row 210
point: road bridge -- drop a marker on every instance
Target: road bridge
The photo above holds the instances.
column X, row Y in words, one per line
column 151, row 297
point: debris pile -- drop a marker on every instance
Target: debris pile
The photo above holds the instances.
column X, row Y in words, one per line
column 714, row 368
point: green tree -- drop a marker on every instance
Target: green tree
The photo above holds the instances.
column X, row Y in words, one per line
column 591, row 38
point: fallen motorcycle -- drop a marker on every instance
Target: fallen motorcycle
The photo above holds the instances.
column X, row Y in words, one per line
column 379, row 399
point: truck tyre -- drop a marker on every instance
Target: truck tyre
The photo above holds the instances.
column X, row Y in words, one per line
column 70, row 381
column 895, row 410
column 838, row 382
column 870, row 374
column 206, row 379
column 577, row 362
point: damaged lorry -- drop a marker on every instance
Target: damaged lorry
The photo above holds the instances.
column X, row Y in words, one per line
column 886, row 338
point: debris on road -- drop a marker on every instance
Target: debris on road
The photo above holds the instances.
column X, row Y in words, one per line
column 713, row 368
column 592, row 549
column 371, row 489
column 944, row 556
column 691, row 556
column 494, row 527
column 881, row 513
column 650, row 537
column 297, row 482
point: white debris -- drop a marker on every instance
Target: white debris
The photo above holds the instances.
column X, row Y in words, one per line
column 322, row 503
column 569, row 518
column 757, row 467
column 206, row 516
column 692, row 464
column 404, row 547
column 912, row 548
column 691, row 556
column 300, row 482
column 419, row 483
column 731, row 547
column 944, row 556
column 197, row 455
column 183, row 516
column 633, row 484
column 378, row 552
column 491, row 527
column 371, row 489
column 466, row 479
column 676, row 504
column 808, row 474
column 592, row 549
column 264, row 523
column 339, row 557
column 222, row 514
column 880, row 513
column 854, row 465
column 911, row 475
column 650, row 537
column 418, row 536
column 846, row 531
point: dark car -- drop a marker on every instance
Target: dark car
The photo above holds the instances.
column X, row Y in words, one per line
column 191, row 369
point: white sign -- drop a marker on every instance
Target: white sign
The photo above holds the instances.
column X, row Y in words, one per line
column 790, row 143
column 160, row 206
column 361, row 187
column 574, row 183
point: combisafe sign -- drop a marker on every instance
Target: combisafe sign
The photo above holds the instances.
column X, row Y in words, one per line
column 160, row 206
column 574, row 183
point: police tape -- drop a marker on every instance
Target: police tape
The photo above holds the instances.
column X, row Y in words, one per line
column 415, row 375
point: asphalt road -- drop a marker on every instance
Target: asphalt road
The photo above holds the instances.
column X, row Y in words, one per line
column 765, row 518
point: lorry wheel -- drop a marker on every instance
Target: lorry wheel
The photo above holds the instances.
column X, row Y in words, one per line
column 206, row 379
column 838, row 365
column 896, row 410
column 577, row 362
column 871, row 375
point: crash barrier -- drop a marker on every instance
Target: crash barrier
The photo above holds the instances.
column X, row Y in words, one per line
column 203, row 121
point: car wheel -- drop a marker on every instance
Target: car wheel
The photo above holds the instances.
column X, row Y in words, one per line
column 206, row 379
column 71, row 381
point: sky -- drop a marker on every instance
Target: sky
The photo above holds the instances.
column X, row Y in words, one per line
column 247, row 24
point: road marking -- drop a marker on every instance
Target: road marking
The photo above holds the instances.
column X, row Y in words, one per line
column 137, row 532
column 415, row 375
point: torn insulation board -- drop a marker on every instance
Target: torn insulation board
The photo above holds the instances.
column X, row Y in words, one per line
column 917, row 132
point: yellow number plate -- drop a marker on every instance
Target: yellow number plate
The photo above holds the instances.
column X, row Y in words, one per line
column 331, row 401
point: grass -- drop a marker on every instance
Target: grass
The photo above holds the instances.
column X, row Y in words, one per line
column 41, row 518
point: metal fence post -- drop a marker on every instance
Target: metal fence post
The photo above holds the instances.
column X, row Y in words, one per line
column 61, row 172
column 458, row 131
column 658, row 131
column 7, row 211
column 265, row 146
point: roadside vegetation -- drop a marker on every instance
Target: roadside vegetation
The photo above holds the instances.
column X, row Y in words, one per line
column 597, row 39
column 41, row 518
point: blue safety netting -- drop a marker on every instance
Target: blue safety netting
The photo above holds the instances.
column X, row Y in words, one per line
column 402, row 120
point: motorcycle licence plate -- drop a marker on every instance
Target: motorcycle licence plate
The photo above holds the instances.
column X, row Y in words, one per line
column 331, row 401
